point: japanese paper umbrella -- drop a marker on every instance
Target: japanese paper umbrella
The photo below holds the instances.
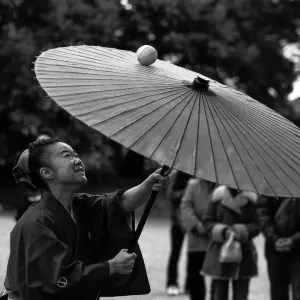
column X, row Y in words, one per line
column 176, row 117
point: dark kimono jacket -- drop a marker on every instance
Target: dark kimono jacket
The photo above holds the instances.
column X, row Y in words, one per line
column 52, row 257
column 239, row 214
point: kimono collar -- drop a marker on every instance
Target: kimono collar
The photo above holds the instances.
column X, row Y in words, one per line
column 52, row 204
column 223, row 194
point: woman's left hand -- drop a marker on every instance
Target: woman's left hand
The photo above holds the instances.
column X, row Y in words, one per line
column 157, row 181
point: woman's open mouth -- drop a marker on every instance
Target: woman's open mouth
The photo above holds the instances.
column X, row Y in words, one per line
column 80, row 170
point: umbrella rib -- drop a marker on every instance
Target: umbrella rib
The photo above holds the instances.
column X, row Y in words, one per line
column 104, row 77
column 213, row 118
column 171, row 126
column 237, row 136
column 235, row 93
column 128, row 101
column 84, row 57
column 210, row 139
column 266, row 136
column 240, row 108
column 99, row 71
column 108, row 74
column 168, row 112
column 90, row 92
column 111, row 53
column 266, row 112
column 109, row 67
column 288, row 125
column 263, row 150
column 197, row 136
column 186, row 125
column 281, row 133
column 141, row 117
column 216, row 109
column 116, row 52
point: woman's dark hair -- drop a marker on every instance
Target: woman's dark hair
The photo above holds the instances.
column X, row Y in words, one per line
column 46, row 131
column 38, row 155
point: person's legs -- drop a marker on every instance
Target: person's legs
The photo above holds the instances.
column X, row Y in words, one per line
column 278, row 272
column 240, row 289
column 219, row 289
column 196, row 283
column 295, row 278
column 177, row 237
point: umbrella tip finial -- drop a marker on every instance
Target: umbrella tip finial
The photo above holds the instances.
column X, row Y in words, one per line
column 200, row 84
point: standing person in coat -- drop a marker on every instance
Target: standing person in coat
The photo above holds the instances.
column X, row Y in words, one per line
column 175, row 191
column 279, row 221
column 230, row 212
column 193, row 207
column 59, row 249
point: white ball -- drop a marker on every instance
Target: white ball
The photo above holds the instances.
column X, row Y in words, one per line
column 146, row 55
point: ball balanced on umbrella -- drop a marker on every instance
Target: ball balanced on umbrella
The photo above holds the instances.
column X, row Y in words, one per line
column 146, row 55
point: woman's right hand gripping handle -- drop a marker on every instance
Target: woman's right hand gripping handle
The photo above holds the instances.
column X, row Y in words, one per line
column 122, row 263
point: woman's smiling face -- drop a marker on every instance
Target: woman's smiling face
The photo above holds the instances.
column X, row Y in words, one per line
column 65, row 165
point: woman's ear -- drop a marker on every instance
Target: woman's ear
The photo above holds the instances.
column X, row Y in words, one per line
column 46, row 173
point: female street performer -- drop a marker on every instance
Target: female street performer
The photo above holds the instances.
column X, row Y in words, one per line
column 51, row 247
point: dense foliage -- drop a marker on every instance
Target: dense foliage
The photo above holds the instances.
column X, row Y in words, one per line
column 238, row 42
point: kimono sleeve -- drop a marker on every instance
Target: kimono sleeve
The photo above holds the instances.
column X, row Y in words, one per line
column 47, row 264
column 106, row 210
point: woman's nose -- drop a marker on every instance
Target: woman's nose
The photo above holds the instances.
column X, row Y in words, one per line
column 77, row 161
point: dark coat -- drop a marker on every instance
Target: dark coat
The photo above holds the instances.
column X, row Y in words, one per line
column 51, row 256
column 176, row 188
column 280, row 218
column 239, row 214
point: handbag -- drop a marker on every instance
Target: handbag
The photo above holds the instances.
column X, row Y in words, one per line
column 231, row 251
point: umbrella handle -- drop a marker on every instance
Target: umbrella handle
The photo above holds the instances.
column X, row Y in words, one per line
column 145, row 215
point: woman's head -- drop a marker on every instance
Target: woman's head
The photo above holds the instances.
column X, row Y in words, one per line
column 52, row 162
column 210, row 186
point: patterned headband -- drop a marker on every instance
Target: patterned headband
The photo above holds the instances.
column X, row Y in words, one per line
column 21, row 171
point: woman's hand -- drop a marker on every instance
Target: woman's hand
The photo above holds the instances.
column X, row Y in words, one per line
column 284, row 245
column 228, row 233
column 157, row 181
column 135, row 197
column 122, row 263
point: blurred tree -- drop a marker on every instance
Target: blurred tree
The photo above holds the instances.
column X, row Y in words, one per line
column 238, row 42
column 27, row 28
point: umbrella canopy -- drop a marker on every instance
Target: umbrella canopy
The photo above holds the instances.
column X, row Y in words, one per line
column 200, row 127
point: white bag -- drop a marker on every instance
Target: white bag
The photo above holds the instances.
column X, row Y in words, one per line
column 231, row 251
